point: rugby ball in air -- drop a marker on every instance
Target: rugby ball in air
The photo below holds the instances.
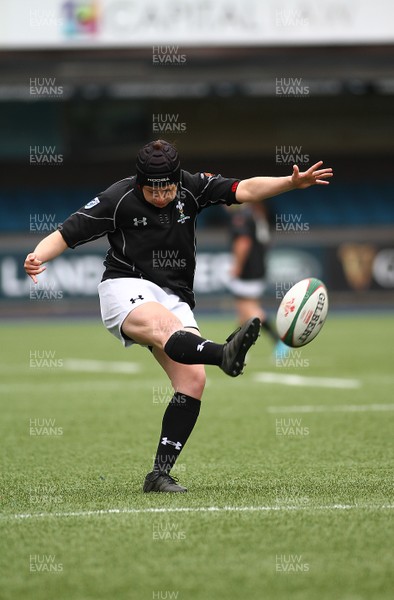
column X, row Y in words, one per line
column 302, row 312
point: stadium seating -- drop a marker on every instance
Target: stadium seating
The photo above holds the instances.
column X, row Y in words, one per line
column 344, row 205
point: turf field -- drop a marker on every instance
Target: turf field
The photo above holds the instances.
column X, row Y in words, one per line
column 289, row 470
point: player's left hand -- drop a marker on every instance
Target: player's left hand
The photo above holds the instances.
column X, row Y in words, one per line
column 33, row 266
column 314, row 175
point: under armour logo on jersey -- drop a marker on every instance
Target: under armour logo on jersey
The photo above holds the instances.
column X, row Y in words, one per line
column 134, row 300
column 143, row 221
column 200, row 347
column 177, row 445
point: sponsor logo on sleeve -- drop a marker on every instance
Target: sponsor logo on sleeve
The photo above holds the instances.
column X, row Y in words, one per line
column 92, row 203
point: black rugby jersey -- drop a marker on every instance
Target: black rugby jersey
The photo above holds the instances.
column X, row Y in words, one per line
column 245, row 222
column 153, row 243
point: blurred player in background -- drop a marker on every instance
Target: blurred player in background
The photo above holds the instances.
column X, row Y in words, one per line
column 146, row 293
column 250, row 239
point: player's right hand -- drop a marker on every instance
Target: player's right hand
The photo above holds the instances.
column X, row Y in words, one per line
column 33, row 266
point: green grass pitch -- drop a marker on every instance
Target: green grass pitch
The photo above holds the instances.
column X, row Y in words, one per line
column 300, row 476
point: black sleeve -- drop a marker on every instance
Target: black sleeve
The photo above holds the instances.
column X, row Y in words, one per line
column 210, row 189
column 90, row 222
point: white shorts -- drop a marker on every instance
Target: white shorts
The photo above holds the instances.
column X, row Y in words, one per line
column 247, row 288
column 118, row 297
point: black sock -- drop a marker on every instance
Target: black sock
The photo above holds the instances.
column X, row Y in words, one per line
column 270, row 329
column 190, row 349
column 178, row 422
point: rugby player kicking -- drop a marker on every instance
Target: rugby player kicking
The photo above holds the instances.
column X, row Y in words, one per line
column 146, row 292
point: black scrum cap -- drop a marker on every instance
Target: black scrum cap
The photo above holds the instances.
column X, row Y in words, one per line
column 158, row 164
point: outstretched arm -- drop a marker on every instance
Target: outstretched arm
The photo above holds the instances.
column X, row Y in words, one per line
column 50, row 247
column 256, row 189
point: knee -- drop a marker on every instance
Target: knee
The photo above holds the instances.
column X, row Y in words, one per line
column 193, row 383
column 199, row 381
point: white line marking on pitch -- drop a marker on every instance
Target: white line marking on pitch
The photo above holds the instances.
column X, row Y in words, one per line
column 99, row 366
column 70, row 386
column 334, row 408
column 300, row 380
column 202, row 509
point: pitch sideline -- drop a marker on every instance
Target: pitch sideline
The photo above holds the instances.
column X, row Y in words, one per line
column 201, row 509
column 301, row 380
column 318, row 408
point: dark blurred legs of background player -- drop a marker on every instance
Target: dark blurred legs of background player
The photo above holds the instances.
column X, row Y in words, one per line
column 248, row 307
column 250, row 238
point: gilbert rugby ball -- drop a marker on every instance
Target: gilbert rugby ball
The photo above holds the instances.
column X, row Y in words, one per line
column 302, row 312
